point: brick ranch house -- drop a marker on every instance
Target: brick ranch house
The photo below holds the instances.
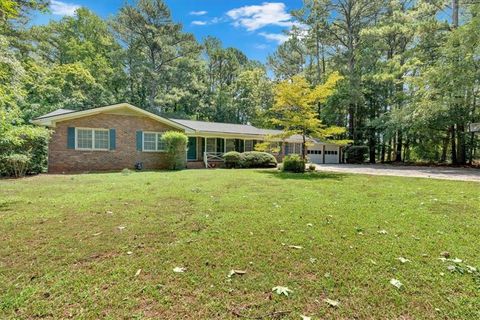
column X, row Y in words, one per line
column 121, row 135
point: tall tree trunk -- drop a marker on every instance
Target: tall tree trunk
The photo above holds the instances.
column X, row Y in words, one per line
column 351, row 121
column 472, row 141
column 454, row 144
column 372, row 145
column 324, row 68
column 455, row 6
column 317, row 54
column 382, row 152
column 446, row 141
column 406, row 150
column 461, row 148
column 389, row 150
column 398, row 152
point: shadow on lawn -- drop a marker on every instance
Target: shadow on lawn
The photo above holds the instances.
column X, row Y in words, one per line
column 303, row 176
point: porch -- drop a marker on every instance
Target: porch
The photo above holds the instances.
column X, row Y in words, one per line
column 208, row 151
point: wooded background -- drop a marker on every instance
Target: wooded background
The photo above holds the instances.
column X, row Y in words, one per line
column 410, row 86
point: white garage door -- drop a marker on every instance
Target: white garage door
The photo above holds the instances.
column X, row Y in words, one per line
column 331, row 154
column 314, row 154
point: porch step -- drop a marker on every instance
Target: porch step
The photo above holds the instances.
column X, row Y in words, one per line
column 195, row 165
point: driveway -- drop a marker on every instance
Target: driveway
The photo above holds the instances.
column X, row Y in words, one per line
column 463, row 174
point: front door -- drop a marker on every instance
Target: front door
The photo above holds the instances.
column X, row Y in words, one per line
column 192, row 148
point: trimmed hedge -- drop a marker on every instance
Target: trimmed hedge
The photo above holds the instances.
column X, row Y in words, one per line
column 250, row 159
column 356, row 154
column 257, row 159
column 232, row 159
column 293, row 163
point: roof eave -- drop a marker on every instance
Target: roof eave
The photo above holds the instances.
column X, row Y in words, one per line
column 50, row 121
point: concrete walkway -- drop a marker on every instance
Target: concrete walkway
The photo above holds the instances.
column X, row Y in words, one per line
column 463, row 174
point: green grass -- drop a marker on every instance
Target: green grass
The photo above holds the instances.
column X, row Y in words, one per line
column 62, row 254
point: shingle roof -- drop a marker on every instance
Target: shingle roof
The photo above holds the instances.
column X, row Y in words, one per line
column 203, row 126
column 224, row 127
column 56, row 113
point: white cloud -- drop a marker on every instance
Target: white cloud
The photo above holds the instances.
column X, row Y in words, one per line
column 60, row 8
column 198, row 13
column 199, row 23
column 205, row 22
column 258, row 16
column 277, row 37
column 260, row 46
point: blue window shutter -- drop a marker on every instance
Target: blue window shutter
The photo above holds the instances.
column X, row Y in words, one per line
column 139, row 140
column 113, row 142
column 71, row 138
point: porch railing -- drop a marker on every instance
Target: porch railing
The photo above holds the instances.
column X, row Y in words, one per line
column 212, row 157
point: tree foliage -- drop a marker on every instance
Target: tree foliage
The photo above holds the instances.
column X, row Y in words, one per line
column 295, row 107
column 409, row 69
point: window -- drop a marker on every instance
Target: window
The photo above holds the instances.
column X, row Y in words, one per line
column 152, row 141
column 295, row 148
column 101, row 139
column 92, row 139
column 230, row 145
column 211, row 144
column 248, row 145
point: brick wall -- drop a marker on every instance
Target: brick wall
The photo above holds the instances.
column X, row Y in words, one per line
column 64, row 160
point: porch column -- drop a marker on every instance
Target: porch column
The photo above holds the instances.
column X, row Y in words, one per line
column 224, row 145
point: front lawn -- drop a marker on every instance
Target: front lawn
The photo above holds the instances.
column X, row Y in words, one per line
column 105, row 246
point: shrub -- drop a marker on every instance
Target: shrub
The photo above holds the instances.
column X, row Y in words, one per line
column 26, row 140
column 356, row 154
column 293, row 163
column 256, row 159
column 16, row 164
column 312, row 167
column 176, row 147
column 233, row 159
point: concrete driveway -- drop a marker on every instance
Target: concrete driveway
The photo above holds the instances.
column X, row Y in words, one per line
column 463, row 174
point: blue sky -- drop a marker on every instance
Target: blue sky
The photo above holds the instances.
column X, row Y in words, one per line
column 255, row 27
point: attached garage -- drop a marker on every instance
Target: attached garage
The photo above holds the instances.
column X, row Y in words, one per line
column 320, row 153
column 315, row 153
column 332, row 154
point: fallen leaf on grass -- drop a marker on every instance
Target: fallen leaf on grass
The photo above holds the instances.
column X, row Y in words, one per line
column 295, row 247
column 138, row 272
column 309, row 224
column 403, row 260
column 333, row 303
column 382, row 232
column 236, row 272
column 305, row 317
column 396, row 283
column 456, row 260
column 129, row 252
column 121, row 228
column 282, row 290
column 96, row 234
column 179, row 269
column 471, row 269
